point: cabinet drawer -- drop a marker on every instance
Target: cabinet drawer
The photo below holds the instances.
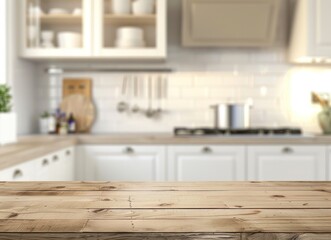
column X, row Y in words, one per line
column 206, row 163
column 287, row 163
column 124, row 163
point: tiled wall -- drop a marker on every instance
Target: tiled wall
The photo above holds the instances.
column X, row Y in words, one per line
column 202, row 77
column 280, row 95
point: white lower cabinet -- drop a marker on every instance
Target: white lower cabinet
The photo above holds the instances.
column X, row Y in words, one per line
column 124, row 163
column 206, row 163
column 287, row 163
column 62, row 168
column 21, row 172
column 58, row 166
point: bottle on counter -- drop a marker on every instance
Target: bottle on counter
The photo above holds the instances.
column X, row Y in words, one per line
column 52, row 124
column 71, row 124
column 63, row 125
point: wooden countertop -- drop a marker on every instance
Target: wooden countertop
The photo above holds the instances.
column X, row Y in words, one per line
column 32, row 147
column 214, row 210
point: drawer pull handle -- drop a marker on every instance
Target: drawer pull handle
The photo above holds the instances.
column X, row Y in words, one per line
column 45, row 162
column 288, row 150
column 17, row 174
column 207, row 150
column 55, row 158
column 129, row 150
column 68, row 153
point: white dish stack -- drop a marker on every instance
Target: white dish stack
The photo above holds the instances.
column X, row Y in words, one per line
column 130, row 37
column 136, row 7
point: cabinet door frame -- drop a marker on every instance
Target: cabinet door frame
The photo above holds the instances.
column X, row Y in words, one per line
column 254, row 152
column 58, row 53
column 216, row 150
column 90, row 151
column 160, row 52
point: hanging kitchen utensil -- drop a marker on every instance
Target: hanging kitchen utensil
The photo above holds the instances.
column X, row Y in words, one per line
column 149, row 112
column 83, row 110
column 135, row 108
column 122, row 106
column 159, row 90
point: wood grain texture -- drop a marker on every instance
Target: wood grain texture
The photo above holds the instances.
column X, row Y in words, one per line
column 80, row 86
column 149, row 236
column 91, row 207
column 167, row 186
column 284, row 236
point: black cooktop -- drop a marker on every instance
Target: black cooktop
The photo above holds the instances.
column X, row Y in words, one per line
column 230, row 132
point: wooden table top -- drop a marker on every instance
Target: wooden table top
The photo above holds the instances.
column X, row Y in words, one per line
column 219, row 207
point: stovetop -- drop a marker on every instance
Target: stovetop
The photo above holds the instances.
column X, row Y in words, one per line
column 238, row 132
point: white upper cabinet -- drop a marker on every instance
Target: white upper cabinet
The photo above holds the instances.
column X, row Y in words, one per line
column 230, row 23
column 206, row 163
column 134, row 35
column 56, row 28
column 93, row 29
column 311, row 34
column 287, row 163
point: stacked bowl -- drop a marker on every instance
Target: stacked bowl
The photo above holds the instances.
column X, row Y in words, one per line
column 130, row 37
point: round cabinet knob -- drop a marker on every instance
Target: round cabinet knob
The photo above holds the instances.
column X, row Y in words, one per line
column 45, row 163
column 287, row 150
column 207, row 150
column 17, row 174
column 129, row 150
column 55, row 158
column 68, row 153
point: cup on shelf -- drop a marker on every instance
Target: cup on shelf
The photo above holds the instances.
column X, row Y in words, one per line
column 143, row 7
column 47, row 39
column 69, row 40
column 120, row 6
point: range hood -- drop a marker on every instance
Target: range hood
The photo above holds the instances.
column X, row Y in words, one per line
column 230, row 23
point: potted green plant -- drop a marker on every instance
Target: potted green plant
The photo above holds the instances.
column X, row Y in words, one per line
column 8, row 130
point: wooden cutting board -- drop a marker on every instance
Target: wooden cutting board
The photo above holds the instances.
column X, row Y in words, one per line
column 73, row 86
column 83, row 110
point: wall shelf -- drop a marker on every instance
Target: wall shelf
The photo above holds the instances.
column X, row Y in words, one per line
column 130, row 19
column 61, row 19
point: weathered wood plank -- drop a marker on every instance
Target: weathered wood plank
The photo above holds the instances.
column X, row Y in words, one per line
column 230, row 225
column 58, row 209
column 284, row 236
column 166, row 186
column 173, row 199
column 41, row 226
column 149, row 236
column 305, row 215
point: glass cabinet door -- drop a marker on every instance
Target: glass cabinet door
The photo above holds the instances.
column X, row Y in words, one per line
column 130, row 28
column 56, row 28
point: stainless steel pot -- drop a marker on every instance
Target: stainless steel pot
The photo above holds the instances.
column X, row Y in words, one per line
column 232, row 116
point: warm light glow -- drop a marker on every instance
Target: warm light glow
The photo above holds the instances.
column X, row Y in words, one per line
column 302, row 82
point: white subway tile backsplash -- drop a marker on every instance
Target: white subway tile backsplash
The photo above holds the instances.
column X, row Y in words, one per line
column 280, row 94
